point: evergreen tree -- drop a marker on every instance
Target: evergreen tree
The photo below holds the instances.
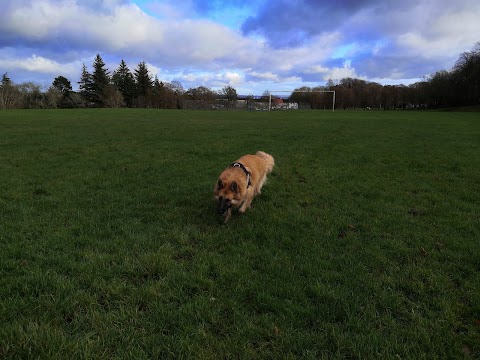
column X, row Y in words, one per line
column 6, row 81
column 63, row 85
column 101, row 80
column 144, row 85
column 86, row 86
column 10, row 97
column 165, row 95
column 125, row 83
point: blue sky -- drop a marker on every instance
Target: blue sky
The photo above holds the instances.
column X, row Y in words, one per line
column 251, row 45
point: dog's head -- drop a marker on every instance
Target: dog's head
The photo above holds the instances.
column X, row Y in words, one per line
column 228, row 193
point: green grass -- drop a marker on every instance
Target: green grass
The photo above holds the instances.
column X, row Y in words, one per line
column 364, row 243
column 471, row 108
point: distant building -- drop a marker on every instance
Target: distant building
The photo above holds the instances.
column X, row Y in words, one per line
column 280, row 104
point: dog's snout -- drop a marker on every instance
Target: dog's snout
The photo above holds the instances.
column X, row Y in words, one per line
column 223, row 205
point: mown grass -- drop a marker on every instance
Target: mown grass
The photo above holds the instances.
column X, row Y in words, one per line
column 364, row 243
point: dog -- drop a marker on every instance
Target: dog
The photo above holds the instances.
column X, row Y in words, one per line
column 239, row 183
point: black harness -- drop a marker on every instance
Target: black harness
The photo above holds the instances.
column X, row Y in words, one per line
column 241, row 166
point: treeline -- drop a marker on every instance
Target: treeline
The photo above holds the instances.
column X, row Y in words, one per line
column 123, row 88
column 100, row 88
column 457, row 87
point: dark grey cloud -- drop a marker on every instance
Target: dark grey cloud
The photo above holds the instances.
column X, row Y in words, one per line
column 396, row 67
column 289, row 23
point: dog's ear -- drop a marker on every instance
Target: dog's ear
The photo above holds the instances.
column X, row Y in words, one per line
column 220, row 184
column 234, row 186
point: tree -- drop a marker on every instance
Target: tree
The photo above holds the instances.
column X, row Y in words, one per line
column 101, row 80
column 64, row 87
column 199, row 98
column 53, row 98
column 230, row 94
column 31, row 96
column 265, row 95
column 144, row 84
column 330, row 84
column 9, row 95
column 174, row 95
column 466, row 75
column 112, row 97
column 86, row 87
column 321, row 100
column 439, row 90
column 125, row 83
column 200, row 93
column 159, row 94
column 301, row 96
column 62, row 84
column 374, row 95
column 176, row 86
column 6, row 80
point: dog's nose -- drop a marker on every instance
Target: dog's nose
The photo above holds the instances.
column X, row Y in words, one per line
column 221, row 209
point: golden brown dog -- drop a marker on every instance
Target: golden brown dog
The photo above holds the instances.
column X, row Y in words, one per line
column 241, row 182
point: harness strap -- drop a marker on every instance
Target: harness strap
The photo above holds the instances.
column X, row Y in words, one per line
column 241, row 166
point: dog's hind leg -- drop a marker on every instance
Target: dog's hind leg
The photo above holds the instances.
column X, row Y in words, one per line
column 258, row 189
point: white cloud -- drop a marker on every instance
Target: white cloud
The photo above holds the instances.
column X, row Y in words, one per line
column 334, row 73
column 214, row 80
column 233, row 78
column 265, row 76
column 338, row 73
column 316, row 69
column 125, row 29
column 448, row 35
column 153, row 70
column 39, row 64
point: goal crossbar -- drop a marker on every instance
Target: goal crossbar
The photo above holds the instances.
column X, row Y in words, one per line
column 301, row 91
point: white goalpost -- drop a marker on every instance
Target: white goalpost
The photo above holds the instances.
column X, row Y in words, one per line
column 290, row 91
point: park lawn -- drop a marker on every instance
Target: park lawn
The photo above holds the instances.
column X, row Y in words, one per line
column 363, row 244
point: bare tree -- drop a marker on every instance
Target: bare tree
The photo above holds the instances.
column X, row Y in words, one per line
column 53, row 97
column 10, row 96
column 230, row 94
column 112, row 97
column 31, row 95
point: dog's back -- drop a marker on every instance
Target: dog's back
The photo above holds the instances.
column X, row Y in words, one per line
column 269, row 161
column 259, row 164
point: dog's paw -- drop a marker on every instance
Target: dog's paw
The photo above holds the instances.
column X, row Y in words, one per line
column 227, row 215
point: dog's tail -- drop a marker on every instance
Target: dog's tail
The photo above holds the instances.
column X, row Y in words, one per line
column 269, row 161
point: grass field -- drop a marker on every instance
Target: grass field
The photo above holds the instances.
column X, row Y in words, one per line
column 364, row 243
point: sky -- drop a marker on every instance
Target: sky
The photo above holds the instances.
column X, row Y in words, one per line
column 252, row 46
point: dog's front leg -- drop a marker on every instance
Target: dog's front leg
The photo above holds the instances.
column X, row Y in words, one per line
column 246, row 203
column 227, row 215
